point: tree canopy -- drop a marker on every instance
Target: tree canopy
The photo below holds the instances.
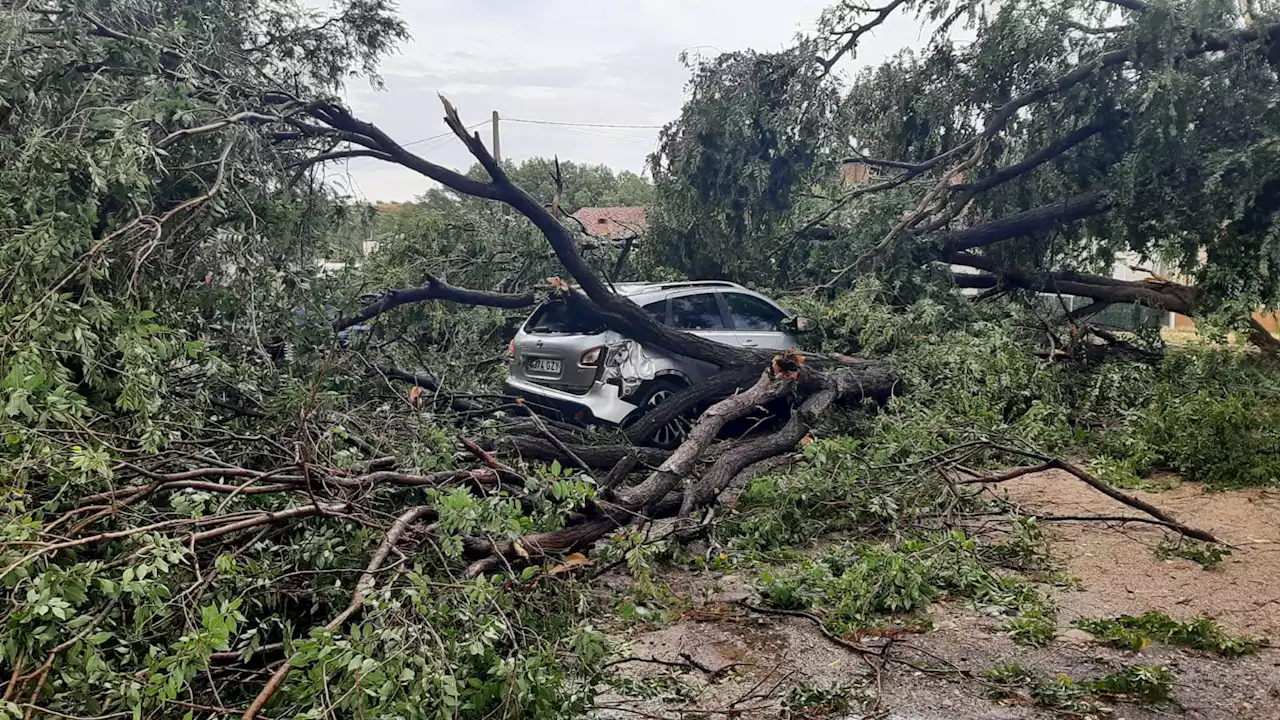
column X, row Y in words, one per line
column 1059, row 136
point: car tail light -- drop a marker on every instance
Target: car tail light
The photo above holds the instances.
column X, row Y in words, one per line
column 591, row 358
column 511, row 349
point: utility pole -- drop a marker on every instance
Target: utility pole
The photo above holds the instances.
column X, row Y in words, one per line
column 497, row 147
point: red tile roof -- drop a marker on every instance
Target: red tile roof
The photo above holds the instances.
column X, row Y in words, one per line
column 612, row 222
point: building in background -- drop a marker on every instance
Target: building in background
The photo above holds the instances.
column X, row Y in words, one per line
column 612, row 223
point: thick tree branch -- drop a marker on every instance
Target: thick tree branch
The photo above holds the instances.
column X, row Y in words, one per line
column 373, row 138
column 436, row 289
column 727, row 467
column 1164, row 296
column 1027, row 222
column 1034, row 160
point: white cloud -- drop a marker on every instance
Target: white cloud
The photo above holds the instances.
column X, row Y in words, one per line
column 576, row 61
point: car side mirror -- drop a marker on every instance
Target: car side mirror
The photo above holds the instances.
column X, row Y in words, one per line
column 799, row 323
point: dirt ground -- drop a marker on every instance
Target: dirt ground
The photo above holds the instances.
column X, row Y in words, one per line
column 753, row 659
column 1121, row 574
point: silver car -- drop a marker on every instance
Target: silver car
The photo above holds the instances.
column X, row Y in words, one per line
column 588, row 373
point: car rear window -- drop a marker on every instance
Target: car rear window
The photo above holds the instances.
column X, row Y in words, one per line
column 556, row 317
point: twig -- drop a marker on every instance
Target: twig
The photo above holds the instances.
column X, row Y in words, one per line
column 365, row 582
column 269, row 518
column 211, row 708
column 650, row 660
column 868, row 652
column 1122, row 519
column 13, row 678
column 557, row 442
column 481, row 454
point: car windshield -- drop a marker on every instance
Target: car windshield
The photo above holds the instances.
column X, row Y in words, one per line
column 556, row 317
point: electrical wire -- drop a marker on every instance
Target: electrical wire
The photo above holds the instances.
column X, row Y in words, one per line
column 628, row 139
column 443, row 134
column 585, row 125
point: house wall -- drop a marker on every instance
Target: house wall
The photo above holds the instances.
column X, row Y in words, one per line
column 1268, row 320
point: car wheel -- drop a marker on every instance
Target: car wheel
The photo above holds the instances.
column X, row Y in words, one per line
column 650, row 396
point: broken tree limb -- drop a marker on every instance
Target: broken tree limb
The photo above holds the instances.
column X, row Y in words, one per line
column 772, row 385
column 619, row 473
column 656, row 495
column 725, row 469
column 684, row 402
column 597, row 456
column 435, row 289
column 1097, row 484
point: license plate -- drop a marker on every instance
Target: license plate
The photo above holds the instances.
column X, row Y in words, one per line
column 542, row 365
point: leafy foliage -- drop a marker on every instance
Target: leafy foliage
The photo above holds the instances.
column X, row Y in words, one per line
column 858, row 584
column 808, row 701
column 194, row 475
column 748, row 144
column 1144, row 684
column 1167, row 146
column 1207, row 414
column 1204, row 554
column 1136, row 633
column 162, row 307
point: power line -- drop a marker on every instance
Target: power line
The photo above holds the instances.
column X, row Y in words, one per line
column 443, row 134
column 572, row 124
column 629, row 139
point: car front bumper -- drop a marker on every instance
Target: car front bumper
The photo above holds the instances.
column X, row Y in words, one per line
column 600, row 404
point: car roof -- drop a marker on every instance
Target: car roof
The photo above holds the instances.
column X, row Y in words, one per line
column 630, row 289
column 643, row 293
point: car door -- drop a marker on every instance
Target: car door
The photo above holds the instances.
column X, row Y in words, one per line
column 701, row 314
column 758, row 323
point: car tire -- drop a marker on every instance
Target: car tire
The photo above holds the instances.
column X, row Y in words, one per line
column 650, row 395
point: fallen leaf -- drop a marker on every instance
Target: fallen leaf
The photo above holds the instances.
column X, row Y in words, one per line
column 519, row 549
column 415, row 396
column 571, row 561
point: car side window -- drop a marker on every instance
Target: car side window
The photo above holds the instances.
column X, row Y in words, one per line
column 752, row 313
column 657, row 311
column 696, row 312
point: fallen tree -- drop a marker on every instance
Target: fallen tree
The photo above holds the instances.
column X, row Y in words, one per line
column 824, row 379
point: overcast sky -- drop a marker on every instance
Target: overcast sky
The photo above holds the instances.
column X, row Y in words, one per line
column 605, row 62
